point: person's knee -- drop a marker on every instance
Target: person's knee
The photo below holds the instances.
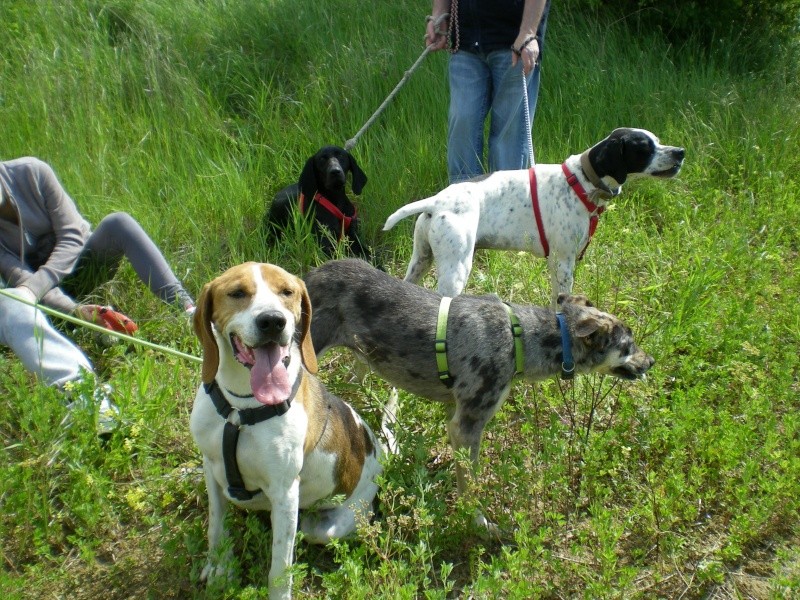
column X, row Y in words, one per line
column 120, row 222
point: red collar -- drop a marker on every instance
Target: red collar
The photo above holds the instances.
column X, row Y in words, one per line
column 594, row 210
column 332, row 209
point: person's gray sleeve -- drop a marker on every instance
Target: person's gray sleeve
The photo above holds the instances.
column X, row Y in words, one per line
column 68, row 227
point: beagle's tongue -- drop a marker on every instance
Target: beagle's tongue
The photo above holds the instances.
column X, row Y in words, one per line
column 269, row 378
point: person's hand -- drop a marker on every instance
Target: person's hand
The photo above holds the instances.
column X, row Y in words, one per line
column 107, row 317
column 436, row 33
column 22, row 292
column 526, row 49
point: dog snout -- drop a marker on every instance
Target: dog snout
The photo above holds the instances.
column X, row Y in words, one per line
column 271, row 323
column 644, row 363
column 335, row 173
column 678, row 155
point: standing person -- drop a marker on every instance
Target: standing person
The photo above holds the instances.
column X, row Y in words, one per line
column 49, row 355
column 49, row 252
column 492, row 44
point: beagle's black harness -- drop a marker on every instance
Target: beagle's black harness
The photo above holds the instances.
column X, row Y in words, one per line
column 230, row 434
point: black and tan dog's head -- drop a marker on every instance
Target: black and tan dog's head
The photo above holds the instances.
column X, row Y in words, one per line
column 326, row 171
column 257, row 318
column 630, row 152
column 601, row 342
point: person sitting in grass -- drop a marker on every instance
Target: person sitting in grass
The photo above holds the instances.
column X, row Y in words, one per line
column 50, row 253
column 51, row 356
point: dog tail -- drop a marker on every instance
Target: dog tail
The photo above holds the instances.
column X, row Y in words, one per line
column 409, row 209
column 389, row 417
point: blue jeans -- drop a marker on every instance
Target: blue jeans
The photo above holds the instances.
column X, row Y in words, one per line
column 480, row 85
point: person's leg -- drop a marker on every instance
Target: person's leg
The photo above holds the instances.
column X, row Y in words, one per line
column 119, row 235
column 508, row 136
column 41, row 348
column 470, row 91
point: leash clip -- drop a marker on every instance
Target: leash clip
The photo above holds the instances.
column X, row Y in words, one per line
column 234, row 418
column 567, row 373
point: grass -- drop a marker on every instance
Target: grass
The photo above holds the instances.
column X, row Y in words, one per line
column 191, row 114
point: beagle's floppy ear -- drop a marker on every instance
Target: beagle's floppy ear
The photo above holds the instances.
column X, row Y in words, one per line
column 202, row 328
column 359, row 177
column 308, row 180
column 306, row 345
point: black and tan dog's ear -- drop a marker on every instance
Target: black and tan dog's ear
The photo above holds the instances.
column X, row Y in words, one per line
column 201, row 323
column 307, row 353
column 308, row 180
column 359, row 177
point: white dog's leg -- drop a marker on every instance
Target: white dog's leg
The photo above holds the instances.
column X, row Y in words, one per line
column 453, row 243
column 453, row 275
column 561, row 278
column 217, row 506
column 284, row 529
column 422, row 255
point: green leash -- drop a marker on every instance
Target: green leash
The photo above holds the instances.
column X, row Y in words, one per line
column 440, row 344
column 69, row 318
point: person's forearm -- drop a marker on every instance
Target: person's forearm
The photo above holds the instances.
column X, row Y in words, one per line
column 440, row 7
column 531, row 17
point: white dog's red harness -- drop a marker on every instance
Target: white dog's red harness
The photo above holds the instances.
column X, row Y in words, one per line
column 331, row 208
column 594, row 210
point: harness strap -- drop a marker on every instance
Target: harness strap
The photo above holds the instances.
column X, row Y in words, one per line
column 537, row 212
column 567, row 363
column 440, row 345
column 594, row 210
column 230, row 433
column 345, row 221
column 519, row 349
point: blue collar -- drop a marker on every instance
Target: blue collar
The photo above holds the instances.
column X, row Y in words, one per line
column 567, row 364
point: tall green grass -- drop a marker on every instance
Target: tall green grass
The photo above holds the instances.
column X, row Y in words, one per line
column 190, row 114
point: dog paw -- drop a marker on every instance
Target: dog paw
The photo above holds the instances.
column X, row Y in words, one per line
column 485, row 527
column 491, row 532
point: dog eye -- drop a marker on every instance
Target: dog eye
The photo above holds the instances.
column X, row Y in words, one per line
column 237, row 293
column 287, row 292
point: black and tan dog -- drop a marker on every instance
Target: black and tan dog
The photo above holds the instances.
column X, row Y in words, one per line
column 272, row 437
column 392, row 325
column 321, row 195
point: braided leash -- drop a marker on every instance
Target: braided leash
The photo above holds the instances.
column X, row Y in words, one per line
column 527, row 118
column 406, row 76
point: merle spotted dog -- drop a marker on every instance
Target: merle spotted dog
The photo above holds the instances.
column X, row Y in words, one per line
column 496, row 211
column 392, row 325
column 321, row 195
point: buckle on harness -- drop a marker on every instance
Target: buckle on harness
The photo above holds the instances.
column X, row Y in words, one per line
column 572, row 179
column 440, row 346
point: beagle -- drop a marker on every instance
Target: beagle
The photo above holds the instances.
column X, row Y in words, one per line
column 272, row 437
